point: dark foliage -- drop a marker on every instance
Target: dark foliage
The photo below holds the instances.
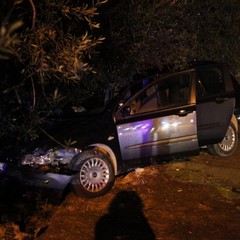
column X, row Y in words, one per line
column 46, row 51
column 55, row 48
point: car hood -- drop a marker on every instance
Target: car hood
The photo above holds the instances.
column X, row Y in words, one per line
column 78, row 131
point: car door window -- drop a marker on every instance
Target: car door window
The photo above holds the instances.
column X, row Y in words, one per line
column 166, row 93
column 174, row 91
column 210, row 81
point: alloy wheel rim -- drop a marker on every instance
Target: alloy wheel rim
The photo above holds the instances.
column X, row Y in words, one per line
column 228, row 141
column 94, row 175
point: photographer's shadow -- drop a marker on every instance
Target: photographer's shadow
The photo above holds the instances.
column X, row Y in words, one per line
column 125, row 219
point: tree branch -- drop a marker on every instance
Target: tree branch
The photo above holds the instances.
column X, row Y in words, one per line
column 34, row 13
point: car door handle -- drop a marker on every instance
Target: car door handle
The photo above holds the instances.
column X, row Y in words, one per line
column 183, row 113
column 220, row 100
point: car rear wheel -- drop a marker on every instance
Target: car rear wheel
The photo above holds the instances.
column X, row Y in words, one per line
column 95, row 176
column 228, row 145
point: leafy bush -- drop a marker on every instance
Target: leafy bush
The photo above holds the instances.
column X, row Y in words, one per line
column 50, row 46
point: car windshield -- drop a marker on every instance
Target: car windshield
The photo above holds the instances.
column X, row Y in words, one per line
column 91, row 105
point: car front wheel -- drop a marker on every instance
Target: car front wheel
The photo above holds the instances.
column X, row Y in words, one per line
column 95, row 176
column 228, row 145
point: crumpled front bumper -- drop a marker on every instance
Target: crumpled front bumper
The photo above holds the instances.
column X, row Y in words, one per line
column 34, row 178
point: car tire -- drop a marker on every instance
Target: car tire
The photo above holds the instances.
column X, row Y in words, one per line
column 95, row 177
column 228, row 145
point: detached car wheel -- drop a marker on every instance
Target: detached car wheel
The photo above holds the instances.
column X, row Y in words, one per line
column 95, row 176
column 228, row 145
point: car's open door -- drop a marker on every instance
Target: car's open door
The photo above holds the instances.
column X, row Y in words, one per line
column 215, row 103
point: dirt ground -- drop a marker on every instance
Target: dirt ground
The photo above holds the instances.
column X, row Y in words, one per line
column 195, row 199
